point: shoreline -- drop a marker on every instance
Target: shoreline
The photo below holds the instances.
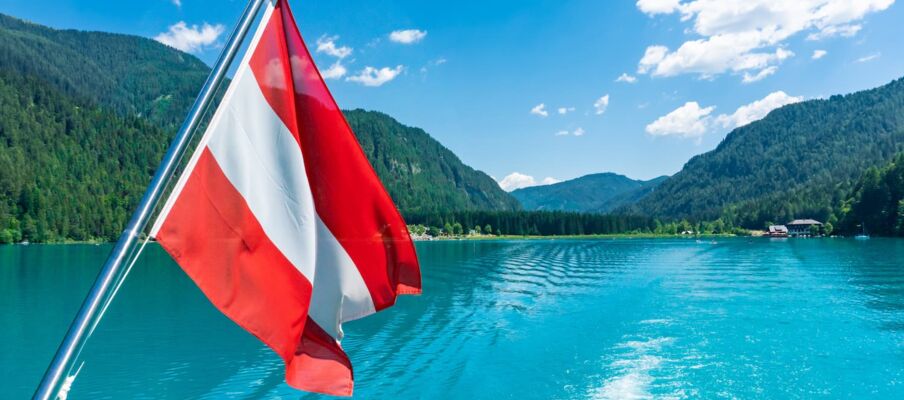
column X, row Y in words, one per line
column 568, row 237
column 495, row 238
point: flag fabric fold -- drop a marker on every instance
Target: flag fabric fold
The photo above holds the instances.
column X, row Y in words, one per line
column 279, row 218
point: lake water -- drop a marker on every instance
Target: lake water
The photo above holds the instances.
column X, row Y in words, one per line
column 558, row 319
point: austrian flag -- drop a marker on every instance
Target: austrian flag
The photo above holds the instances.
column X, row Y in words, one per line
column 280, row 219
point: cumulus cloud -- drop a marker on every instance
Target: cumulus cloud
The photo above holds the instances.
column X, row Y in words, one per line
column 869, row 58
column 653, row 7
column 407, row 36
column 517, row 180
column 746, row 37
column 565, row 110
column 328, row 46
column 624, row 77
column 335, row 71
column 817, row 54
column 693, row 121
column 370, row 76
column 689, row 121
column 190, row 39
column 601, row 104
column 540, row 109
column 757, row 110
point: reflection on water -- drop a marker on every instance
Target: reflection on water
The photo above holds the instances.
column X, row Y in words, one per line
column 559, row 319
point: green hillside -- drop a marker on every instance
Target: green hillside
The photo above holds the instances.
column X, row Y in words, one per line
column 799, row 161
column 876, row 205
column 596, row 193
column 127, row 74
column 421, row 174
column 85, row 118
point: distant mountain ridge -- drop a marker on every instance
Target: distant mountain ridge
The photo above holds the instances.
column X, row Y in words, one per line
column 595, row 193
column 85, row 118
column 800, row 161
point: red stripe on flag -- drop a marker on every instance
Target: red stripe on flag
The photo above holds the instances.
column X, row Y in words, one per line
column 348, row 195
column 320, row 365
column 215, row 238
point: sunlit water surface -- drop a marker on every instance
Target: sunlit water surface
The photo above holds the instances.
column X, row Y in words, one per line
column 558, row 319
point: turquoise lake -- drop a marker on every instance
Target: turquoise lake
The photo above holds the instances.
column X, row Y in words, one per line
column 556, row 319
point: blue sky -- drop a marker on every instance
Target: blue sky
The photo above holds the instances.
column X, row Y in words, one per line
column 473, row 73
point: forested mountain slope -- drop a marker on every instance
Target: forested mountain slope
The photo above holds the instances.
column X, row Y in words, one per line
column 128, row 74
column 86, row 116
column 421, row 174
column 799, row 161
column 876, row 205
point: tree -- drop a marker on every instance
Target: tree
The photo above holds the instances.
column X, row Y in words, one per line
column 828, row 228
column 900, row 225
column 447, row 229
column 434, row 231
column 477, row 229
column 488, row 229
column 457, row 229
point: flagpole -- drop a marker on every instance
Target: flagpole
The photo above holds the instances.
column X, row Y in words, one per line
column 112, row 272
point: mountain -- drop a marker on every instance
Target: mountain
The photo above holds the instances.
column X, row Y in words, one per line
column 420, row 174
column 597, row 193
column 800, row 161
column 86, row 116
column 877, row 202
column 127, row 74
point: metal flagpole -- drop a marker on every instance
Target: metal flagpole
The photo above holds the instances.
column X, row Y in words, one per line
column 112, row 272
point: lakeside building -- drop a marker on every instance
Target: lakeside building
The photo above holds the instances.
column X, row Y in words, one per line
column 802, row 227
column 777, row 231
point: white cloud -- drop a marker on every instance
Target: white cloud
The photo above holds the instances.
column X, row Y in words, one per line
column 652, row 56
column 190, row 38
column 653, row 7
column 869, row 58
column 746, row 37
column 757, row 110
column 748, row 78
column 177, row 3
column 407, row 36
column 624, row 77
column 832, row 31
column 565, row 110
column 693, row 121
column 540, row 109
column 601, row 104
column 517, row 180
column 576, row 132
column 327, row 45
column 370, row 76
column 817, row 54
column 335, row 71
column 689, row 120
